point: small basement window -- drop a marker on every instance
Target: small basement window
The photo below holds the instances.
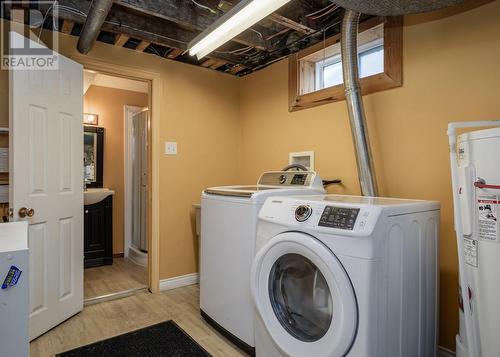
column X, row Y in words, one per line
column 316, row 72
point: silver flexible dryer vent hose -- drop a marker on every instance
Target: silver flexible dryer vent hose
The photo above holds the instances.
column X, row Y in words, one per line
column 98, row 12
column 364, row 160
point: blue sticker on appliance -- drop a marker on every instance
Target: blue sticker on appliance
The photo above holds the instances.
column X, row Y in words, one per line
column 12, row 277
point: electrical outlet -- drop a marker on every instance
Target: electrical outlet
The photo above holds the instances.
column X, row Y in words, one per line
column 170, row 148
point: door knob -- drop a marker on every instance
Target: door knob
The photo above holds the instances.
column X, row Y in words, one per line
column 26, row 212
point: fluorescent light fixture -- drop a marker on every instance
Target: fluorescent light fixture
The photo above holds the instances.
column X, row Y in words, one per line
column 245, row 14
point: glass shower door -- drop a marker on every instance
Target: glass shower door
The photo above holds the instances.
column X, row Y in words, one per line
column 140, row 180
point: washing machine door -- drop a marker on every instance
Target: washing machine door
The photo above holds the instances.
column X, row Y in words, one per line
column 304, row 296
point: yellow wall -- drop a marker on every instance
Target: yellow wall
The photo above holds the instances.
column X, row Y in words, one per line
column 451, row 73
column 108, row 104
column 199, row 110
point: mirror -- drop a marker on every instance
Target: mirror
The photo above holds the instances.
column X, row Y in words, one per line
column 89, row 160
column 93, row 141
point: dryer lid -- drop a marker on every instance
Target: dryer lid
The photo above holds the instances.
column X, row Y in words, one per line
column 304, row 296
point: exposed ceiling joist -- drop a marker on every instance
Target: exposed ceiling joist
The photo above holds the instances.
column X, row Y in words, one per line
column 286, row 22
column 120, row 39
column 208, row 62
column 186, row 14
column 218, row 63
column 132, row 24
column 176, row 52
column 67, row 27
column 165, row 27
column 213, row 63
column 236, row 69
column 142, row 46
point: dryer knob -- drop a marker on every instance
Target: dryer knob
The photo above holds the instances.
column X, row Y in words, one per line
column 302, row 213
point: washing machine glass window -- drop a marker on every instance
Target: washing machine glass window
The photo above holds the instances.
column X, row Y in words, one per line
column 303, row 296
column 300, row 297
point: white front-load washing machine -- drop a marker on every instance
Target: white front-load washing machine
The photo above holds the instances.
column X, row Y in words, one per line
column 346, row 276
column 228, row 227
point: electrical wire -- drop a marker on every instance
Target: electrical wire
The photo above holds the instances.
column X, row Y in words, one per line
column 317, row 12
column 204, row 7
column 238, row 51
column 45, row 18
column 325, row 13
column 270, row 37
column 305, row 37
column 152, row 48
column 268, row 54
column 257, row 32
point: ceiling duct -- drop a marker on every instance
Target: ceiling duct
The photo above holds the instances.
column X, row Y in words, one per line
column 354, row 100
column 395, row 7
column 99, row 10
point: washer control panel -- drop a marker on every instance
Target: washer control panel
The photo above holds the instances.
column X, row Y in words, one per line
column 339, row 217
column 329, row 214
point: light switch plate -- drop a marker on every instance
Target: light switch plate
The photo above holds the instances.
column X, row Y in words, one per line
column 170, row 148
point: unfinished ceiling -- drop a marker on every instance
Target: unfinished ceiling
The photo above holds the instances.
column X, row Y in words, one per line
column 165, row 27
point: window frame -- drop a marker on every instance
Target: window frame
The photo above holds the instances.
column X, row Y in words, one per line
column 390, row 78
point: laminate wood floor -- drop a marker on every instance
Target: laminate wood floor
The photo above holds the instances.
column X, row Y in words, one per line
column 122, row 275
column 104, row 320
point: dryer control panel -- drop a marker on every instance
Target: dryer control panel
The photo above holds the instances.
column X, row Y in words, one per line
column 288, row 178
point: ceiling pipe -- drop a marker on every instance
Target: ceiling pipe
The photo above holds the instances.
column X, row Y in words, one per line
column 357, row 118
column 99, row 10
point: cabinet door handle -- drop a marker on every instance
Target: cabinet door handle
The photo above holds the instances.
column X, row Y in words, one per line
column 86, row 211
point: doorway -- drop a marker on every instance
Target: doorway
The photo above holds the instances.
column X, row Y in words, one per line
column 117, row 179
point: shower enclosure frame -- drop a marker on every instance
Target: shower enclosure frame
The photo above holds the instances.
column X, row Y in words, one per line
column 129, row 112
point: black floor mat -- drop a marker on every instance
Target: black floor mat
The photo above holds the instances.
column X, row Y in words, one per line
column 165, row 339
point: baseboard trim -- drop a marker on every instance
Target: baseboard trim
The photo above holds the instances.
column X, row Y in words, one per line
column 118, row 255
column 179, row 281
column 444, row 352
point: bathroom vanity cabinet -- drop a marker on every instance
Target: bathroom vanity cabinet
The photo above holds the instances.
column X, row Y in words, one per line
column 98, row 233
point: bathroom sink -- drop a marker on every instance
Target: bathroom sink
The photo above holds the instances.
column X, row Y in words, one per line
column 95, row 195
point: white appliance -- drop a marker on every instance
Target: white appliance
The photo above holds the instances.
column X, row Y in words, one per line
column 346, row 275
column 475, row 167
column 228, row 228
column 14, row 290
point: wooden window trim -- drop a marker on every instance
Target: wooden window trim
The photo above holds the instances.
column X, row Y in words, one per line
column 392, row 76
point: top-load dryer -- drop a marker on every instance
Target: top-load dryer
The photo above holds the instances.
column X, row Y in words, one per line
column 228, row 228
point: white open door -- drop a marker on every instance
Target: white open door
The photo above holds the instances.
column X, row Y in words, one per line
column 46, row 186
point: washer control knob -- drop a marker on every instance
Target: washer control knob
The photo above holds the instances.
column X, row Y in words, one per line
column 302, row 213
